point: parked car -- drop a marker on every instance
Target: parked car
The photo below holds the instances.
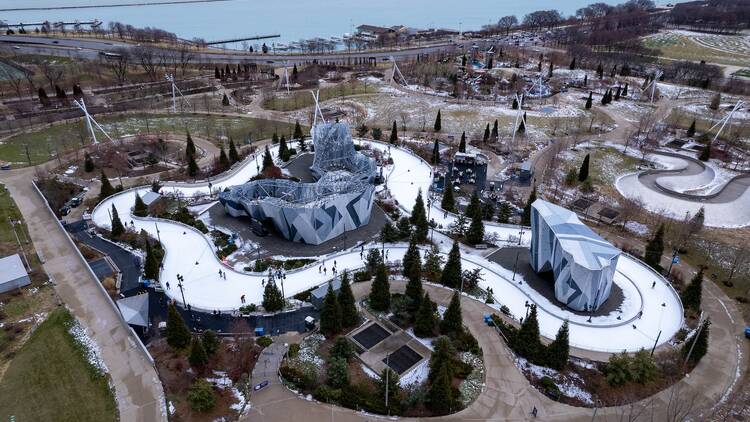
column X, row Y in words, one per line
column 65, row 210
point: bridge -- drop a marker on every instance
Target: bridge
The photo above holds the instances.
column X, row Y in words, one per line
column 257, row 37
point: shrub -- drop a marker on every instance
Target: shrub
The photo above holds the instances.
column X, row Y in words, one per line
column 295, row 376
column 248, row 308
column 293, row 350
column 618, row 370
column 338, row 372
column 264, row 341
column 201, row 396
column 342, row 349
column 327, row 394
column 549, row 386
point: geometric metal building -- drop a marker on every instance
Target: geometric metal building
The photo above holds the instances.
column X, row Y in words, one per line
column 339, row 200
column 583, row 264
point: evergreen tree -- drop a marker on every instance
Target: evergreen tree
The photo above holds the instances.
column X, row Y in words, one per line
column 267, row 160
column 211, row 342
column 654, row 249
column 625, row 91
column 43, row 98
column 151, row 263
column 273, row 300
column 442, row 357
column 274, row 138
column 699, row 344
column 283, row 149
column 448, row 202
column 88, row 163
column 347, row 304
column 559, row 350
column 436, row 153
column 463, row 60
column 106, row 189
column 380, row 295
column 706, row 153
column 642, row 367
column 425, row 320
column 440, row 394
column 691, row 296
column 192, row 166
column 438, row 124
column 337, row 372
column 600, row 71
column 373, row 260
column 504, row 213
column 342, row 349
column 451, row 276
column 617, row 93
column 233, row 154
column 117, row 228
column 452, row 323
column 527, row 343
column 549, row 72
column 389, row 233
column 583, row 173
column 197, row 357
column 412, row 270
column 586, row 80
column 572, row 64
column 696, row 223
column 295, row 73
column 522, row 126
column 394, row 133
column 404, row 228
column 139, row 209
column 419, row 218
column 189, row 146
column 177, row 332
column 715, row 102
column 216, row 73
column 691, row 130
column 462, row 144
column 299, row 137
column 514, row 105
column 330, row 315
column 588, row 101
column 225, row 100
column 526, row 216
column 604, row 97
column 495, row 132
column 488, row 211
column 475, row 234
column 223, row 159
column 618, row 369
column 390, row 377
column 433, row 264
column 486, row 136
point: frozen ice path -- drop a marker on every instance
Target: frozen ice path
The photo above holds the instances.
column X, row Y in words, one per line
column 668, row 191
column 191, row 254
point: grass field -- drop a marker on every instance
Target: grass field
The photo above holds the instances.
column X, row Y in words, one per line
column 50, row 379
column 742, row 72
column 301, row 99
column 44, row 144
column 683, row 118
column 720, row 49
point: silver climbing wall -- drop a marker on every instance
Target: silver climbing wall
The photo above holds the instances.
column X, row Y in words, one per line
column 339, row 201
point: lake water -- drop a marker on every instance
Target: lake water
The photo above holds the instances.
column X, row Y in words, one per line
column 293, row 19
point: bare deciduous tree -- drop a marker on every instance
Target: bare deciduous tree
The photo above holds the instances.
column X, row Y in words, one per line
column 147, row 57
column 118, row 63
column 51, row 72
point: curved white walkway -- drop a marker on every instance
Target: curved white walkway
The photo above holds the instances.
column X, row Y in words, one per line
column 191, row 255
column 687, row 188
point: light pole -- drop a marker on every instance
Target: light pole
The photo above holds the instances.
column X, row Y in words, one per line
column 515, row 265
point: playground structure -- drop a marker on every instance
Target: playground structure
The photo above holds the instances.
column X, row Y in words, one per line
column 340, row 200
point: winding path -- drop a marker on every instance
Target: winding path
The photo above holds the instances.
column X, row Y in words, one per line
column 191, row 255
column 673, row 190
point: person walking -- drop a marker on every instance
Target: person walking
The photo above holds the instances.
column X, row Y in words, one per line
column 534, row 411
column 242, row 299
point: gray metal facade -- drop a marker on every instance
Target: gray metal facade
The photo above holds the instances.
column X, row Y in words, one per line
column 583, row 264
column 12, row 273
column 340, row 200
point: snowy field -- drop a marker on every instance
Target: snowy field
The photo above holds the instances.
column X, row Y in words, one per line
column 730, row 214
column 191, row 254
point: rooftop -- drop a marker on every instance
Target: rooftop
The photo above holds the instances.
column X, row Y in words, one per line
column 587, row 248
column 11, row 268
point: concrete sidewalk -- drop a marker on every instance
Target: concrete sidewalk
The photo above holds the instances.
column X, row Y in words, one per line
column 138, row 391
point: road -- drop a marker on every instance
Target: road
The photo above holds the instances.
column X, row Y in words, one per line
column 138, row 391
column 91, row 48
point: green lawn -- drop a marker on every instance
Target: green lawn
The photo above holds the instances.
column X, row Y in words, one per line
column 719, row 49
column 51, row 380
column 8, row 209
column 300, row 99
column 44, row 144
